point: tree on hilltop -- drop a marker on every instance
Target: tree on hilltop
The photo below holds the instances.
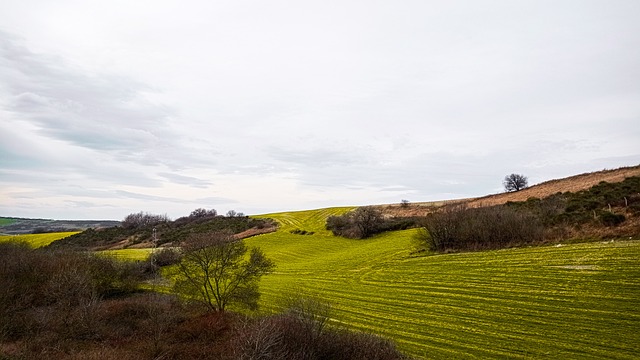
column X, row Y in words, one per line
column 515, row 182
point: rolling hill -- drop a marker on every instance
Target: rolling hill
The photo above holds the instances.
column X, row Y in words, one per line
column 572, row 301
column 569, row 184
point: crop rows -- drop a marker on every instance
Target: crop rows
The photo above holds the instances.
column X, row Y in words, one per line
column 574, row 301
column 37, row 240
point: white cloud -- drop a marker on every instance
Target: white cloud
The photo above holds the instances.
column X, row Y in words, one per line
column 259, row 106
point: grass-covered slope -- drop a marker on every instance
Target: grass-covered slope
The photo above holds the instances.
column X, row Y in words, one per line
column 37, row 240
column 573, row 301
column 308, row 220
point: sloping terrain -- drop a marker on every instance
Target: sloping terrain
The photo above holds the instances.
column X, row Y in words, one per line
column 548, row 188
column 37, row 240
column 561, row 301
column 570, row 184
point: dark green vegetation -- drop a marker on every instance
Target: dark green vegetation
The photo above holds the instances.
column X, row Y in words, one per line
column 558, row 301
column 72, row 305
column 595, row 206
column 139, row 228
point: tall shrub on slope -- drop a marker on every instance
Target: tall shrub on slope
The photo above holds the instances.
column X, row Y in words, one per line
column 459, row 228
column 214, row 271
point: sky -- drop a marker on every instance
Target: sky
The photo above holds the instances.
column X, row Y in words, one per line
column 114, row 107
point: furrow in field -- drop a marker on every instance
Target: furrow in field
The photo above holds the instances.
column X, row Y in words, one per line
column 573, row 301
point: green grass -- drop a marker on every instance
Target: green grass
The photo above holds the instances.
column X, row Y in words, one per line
column 6, row 221
column 572, row 301
column 308, row 220
column 37, row 240
column 129, row 254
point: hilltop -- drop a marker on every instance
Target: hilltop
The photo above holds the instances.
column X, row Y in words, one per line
column 542, row 190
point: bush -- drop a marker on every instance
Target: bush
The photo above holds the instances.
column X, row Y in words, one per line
column 287, row 336
column 165, row 257
column 611, row 219
column 365, row 222
column 459, row 228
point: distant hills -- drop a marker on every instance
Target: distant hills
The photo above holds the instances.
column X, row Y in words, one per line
column 17, row 226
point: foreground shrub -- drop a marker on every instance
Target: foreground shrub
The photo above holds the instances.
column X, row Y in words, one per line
column 459, row 228
column 288, row 336
column 47, row 289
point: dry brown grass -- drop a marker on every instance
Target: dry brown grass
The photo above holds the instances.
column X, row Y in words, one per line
column 542, row 190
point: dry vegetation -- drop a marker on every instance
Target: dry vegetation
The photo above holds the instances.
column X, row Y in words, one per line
column 74, row 305
column 570, row 184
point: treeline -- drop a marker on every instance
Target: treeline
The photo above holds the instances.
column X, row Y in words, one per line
column 160, row 230
column 604, row 210
column 73, row 305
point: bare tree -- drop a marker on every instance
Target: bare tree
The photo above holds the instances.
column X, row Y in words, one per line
column 515, row 182
column 203, row 213
column 214, row 271
column 367, row 219
column 361, row 223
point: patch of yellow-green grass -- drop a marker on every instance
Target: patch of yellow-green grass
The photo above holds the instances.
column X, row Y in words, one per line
column 129, row 254
column 571, row 301
column 307, row 220
column 6, row 221
column 37, row 240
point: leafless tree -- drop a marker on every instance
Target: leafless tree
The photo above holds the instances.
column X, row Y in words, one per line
column 515, row 182
column 213, row 271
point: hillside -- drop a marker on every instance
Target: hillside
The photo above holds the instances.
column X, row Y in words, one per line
column 569, row 184
column 571, row 301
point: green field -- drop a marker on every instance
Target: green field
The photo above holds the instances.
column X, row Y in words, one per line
column 6, row 221
column 37, row 240
column 129, row 254
column 572, row 301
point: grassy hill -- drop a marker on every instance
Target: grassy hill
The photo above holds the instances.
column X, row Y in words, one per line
column 37, row 240
column 573, row 301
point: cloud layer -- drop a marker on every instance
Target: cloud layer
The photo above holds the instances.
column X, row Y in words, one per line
column 111, row 108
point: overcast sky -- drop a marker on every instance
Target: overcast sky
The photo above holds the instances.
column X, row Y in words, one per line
column 114, row 107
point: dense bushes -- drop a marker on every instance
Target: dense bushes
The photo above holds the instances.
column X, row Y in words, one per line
column 459, row 228
column 586, row 206
column 45, row 289
column 62, row 305
column 140, row 229
column 287, row 336
column 365, row 222
column 598, row 211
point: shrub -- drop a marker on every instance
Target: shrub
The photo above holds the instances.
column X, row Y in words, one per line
column 165, row 257
column 611, row 219
column 459, row 228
